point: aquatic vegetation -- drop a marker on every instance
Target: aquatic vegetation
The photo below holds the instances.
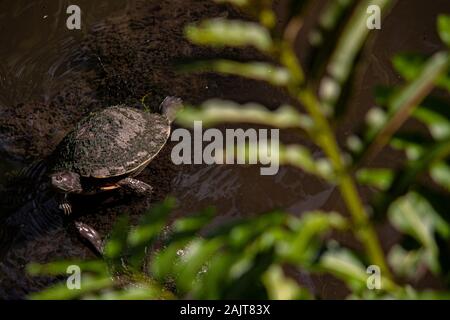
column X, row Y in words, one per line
column 249, row 258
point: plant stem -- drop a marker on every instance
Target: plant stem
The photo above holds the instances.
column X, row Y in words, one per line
column 326, row 139
column 405, row 103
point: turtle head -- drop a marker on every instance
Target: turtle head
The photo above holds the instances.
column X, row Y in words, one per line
column 170, row 106
column 66, row 182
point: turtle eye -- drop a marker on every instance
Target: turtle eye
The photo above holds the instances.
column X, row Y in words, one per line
column 58, row 178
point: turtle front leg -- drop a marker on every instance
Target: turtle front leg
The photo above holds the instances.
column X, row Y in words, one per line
column 91, row 235
column 137, row 186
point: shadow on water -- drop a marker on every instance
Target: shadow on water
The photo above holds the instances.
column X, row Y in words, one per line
column 50, row 77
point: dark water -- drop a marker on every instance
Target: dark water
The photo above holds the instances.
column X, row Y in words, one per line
column 50, row 77
column 37, row 48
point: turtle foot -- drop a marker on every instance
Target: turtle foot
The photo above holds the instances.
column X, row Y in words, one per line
column 91, row 235
column 66, row 208
column 137, row 186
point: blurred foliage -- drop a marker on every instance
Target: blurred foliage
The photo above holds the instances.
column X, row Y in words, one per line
column 240, row 259
column 251, row 258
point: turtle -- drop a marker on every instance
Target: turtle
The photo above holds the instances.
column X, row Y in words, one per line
column 107, row 150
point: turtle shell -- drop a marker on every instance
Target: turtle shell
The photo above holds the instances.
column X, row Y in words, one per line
column 113, row 142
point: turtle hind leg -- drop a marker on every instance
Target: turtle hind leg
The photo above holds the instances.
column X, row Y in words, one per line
column 136, row 186
column 91, row 235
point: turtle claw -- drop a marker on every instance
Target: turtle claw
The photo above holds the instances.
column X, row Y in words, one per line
column 66, row 208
